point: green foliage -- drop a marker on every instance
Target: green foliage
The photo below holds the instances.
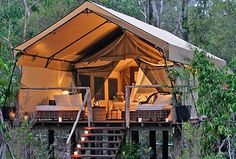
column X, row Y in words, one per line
column 216, row 100
column 130, row 150
column 212, row 26
column 24, row 143
column 5, row 72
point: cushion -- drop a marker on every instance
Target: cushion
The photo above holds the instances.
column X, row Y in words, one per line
column 76, row 99
column 62, row 100
column 163, row 99
column 149, row 107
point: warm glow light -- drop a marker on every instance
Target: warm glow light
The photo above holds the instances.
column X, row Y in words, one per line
column 139, row 120
column 59, row 119
column 167, row 120
column 12, row 115
column 75, row 153
column 86, row 132
column 78, row 146
column 65, row 92
column 82, row 138
column 26, row 116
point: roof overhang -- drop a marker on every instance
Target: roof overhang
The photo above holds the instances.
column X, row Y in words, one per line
column 90, row 28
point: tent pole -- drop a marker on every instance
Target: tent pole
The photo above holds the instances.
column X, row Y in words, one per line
column 10, row 82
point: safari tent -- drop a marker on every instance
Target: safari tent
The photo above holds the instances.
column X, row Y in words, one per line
column 120, row 60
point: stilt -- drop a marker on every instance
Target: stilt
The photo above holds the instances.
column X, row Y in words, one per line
column 73, row 142
column 50, row 142
column 165, row 145
column 135, row 136
column 152, row 143
column 177, row 136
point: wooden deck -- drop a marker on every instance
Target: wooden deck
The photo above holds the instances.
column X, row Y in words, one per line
column 149, row 125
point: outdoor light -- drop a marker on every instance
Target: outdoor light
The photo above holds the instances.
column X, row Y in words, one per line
column 86, row 132
column 78, row 146
column 60, row 119
column 82, row 138
column 65, row 92
column 26, row 116
column 139, row 120
column 12, row 115
column 75, row 152
column 167, row 120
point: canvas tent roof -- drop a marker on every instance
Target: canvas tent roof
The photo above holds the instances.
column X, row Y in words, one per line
column 89, row 29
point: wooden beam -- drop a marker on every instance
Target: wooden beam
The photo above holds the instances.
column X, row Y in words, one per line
column 50, row 142
column 152, row 143
column 73, row 142
column 89, row 105
column 135, row 137
column 165, row 145
column 127, row 106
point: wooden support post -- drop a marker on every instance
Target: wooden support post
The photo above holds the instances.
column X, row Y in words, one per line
column 152, row 143
column 50, row 142
column 165, row 145
column 177, row 137
column 89, row 105
column 135, row 136
column 73, row 142
column 127, row 106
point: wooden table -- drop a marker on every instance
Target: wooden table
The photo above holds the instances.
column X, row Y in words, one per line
column 99, row 113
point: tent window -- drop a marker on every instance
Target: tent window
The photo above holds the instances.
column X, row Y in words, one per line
column 99, row 88
column 113, row 87
column 84, row 81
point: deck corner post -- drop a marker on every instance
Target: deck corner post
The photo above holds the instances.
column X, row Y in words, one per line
column 152, row 143
column 50, row 142
column 135, row 136
column 165, row 144
column 73, row 142
column 127, row 108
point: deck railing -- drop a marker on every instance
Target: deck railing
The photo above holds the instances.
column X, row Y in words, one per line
column 127, row 99
column 86, row 101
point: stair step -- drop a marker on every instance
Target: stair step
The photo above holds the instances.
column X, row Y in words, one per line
column 101, row 134
column 95, row 156
column 93, row 141
column 104, row 128
column 97, row 148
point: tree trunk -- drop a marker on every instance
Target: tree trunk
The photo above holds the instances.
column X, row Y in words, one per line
column 154, row 18
column 184, row 19
column 26, row 17
column 160, row 13
column 150, row 13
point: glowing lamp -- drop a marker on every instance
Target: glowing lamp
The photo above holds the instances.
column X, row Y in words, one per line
column 75, row 152
column 82, row 138
column 12, row 115
column 139, row 120
column 86, row 132
column 59, row 119
column 65, row 92
column 26, row 116
column 167, row 120
column 78, row 146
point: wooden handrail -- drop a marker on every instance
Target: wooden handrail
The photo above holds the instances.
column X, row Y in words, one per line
column 86, row 97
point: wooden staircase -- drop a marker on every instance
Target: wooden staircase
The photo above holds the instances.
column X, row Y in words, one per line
column 99, row 142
